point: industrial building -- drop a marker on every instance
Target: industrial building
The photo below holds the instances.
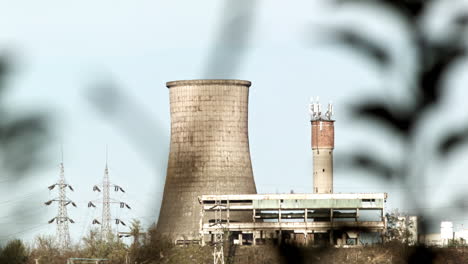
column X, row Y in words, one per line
column 293, row 218
column 209, row 152
column 446, row 236
column 210, row 187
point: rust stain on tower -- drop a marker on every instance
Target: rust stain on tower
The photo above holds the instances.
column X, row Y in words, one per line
column 209, row 151
column 323, row 134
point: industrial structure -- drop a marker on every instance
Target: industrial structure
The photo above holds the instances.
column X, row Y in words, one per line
column 210, row 188
column 447, row 236
column 321, row 217
column 106, row 201
column 209, row 152
column 295, row 218
column 323, row 143
column 62, row 219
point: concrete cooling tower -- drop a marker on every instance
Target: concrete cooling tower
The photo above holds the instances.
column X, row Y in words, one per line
column 209, row 152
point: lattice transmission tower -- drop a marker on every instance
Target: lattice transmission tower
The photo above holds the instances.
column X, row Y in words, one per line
column 62, row 219
column 218, row 247
column 106, row 201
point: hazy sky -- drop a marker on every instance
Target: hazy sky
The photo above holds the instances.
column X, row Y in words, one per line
column 64, row 48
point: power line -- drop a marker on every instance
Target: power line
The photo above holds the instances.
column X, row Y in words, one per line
column 22, row 231
column 23, row 213
column 18, row 199
column 85, row 223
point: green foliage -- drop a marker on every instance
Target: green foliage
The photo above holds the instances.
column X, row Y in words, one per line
column 397, row 228
column 135, row 230
column 96, row 247
column 14, row 253
column 456, row 243
column 153, row 248
column 426, row 85
column 46, row 250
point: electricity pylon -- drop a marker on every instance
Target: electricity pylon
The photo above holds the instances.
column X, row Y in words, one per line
column 62, row 219
column 218, row 249
column 106, row 219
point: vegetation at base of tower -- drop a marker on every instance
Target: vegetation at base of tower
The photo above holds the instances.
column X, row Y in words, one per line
column 135, row 230
column 159, row 249
column 151, row 248
column 396, row 232
column 457, row 243
column 14, row 252
column 95, row 247
column 46, row 250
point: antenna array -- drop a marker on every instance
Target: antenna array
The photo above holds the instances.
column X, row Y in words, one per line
column 315, row 110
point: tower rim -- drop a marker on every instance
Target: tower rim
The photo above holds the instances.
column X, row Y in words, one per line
column 322, row 120
column 208, row 82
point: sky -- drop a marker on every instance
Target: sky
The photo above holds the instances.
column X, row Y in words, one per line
column 63, row 50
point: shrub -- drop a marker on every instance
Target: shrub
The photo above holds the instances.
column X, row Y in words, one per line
column 112, row 248
column 14, row 253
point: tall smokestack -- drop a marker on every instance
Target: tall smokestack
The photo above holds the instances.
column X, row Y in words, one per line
column 323, row 143
column 209, row 152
